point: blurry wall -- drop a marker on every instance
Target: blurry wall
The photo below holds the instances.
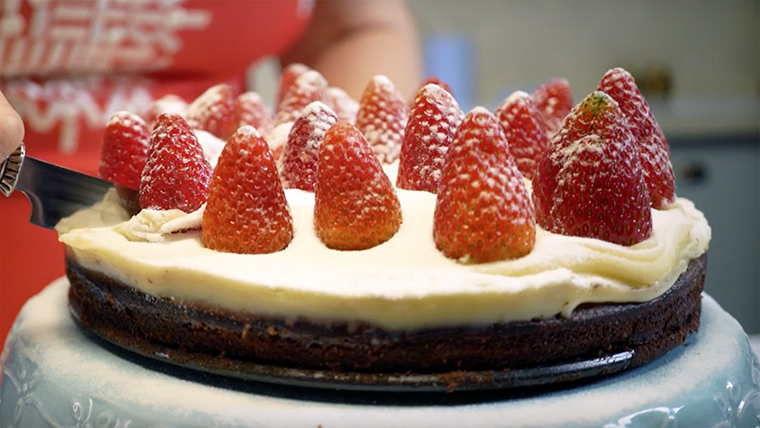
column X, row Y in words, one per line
column 711, row 47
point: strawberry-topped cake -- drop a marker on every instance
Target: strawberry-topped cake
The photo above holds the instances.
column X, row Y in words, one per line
column 388, row 235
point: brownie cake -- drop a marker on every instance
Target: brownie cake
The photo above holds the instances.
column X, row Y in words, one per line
column 485, row 241
column 220, row 339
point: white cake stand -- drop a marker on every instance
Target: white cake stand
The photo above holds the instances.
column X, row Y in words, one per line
column 56, row 376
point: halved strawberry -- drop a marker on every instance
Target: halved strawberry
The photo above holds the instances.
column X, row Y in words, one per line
column 298, row 165
column 125, row 150
column 483, row 211
column 655, row 156
column 309, row 87
column 288, row 77
column 251, row 110
column 437, row 81
column 433, row 121
column 342, row 104
column 554, row 100
column 382, row 117
column 590, row 182
column 246, row 212
column 355, row 205
column 166, row 104
column 214, row 111
column 524, row 129
column 176, row 174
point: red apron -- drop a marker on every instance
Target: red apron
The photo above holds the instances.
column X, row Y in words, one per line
column 66, row 66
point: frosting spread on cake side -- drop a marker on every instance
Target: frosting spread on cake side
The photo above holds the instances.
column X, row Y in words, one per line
column 405, row 283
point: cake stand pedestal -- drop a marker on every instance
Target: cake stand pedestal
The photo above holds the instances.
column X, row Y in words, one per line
column 54, row 375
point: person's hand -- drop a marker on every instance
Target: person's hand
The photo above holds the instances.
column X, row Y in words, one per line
column 11, row 128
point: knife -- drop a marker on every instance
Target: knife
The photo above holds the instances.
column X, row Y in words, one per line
column 54, row 191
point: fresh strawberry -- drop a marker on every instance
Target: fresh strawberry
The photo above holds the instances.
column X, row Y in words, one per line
column 655, row 156
column 590, row 182
column 251, row 110
column 288, row 77
column 165, row 104
column 355, row 205
column 524, row 129
column 342, row 104
column 214, row 111
column 433, row 120
column 298, row 165
column 247, row 212
column 483, row 211
column 382, row 117
column 437, row 81
column 309, row 87
column 554, row 100
column 176, row 175
column 124, row 150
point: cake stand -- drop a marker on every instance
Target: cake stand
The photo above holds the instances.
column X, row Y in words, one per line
column 55, row 375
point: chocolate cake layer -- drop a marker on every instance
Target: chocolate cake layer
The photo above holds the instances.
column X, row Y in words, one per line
column 222, row 339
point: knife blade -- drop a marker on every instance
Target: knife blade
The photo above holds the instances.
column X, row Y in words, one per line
column 56, row 192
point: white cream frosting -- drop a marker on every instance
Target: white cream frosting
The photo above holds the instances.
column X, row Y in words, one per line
column 405, row 283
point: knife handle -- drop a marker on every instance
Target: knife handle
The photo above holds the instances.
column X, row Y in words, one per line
column 10, row 168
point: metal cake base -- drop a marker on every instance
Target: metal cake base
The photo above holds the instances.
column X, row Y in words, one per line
column 381, row 382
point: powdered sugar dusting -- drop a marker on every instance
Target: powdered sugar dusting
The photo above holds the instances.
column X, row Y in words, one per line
column 214, row 111
column 177, row 173
column 308, row 87
column 384, row 83
column 321, row 117
column 586, row 152
column 655, row 156
column 126, row 140
column 590, row 184
column 524, row 130
column 251, row 97
column 249, row 131
column 298, row 163
column 207, row 105
column 125, row 119
column 288, row 76
column 254, row 112
column 166, row 104
column 343, row 105
column 382, row 117
column 483, row 210
column 554, row 101
column 479, row 110
column 433, row 120
column 517, row 98
column 171, row 104
column 246, row 212
column 355, row 204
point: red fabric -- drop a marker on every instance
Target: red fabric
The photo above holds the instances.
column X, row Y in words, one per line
column 67, row 65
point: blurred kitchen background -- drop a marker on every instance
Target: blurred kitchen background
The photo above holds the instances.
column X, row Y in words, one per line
column 697, row 62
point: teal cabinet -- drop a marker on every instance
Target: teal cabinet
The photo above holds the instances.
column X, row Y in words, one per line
column 722, row 177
